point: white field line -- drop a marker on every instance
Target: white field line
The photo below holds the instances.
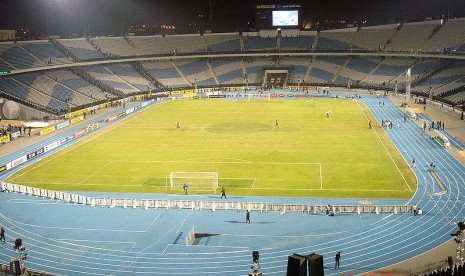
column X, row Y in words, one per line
column 395, row 164
column 63, row 151
column 94, row 241
column 318, row 189
column 96, row 172
column 321, row 178
column 70, row 228
column 143, row 181
column 77, row 144
column 219, row 162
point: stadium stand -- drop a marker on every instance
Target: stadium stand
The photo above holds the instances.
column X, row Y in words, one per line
column 223, row 43
column 445, row 80
column 186, row 43
column 166, row 73
column 298, row 68
column 390, row 70
column 357, row 68
column 109, row 78
column 151, row 45
column 5, row 66
column 335, row 40
column 297, row 43
column 373, row 38
column 228, row 71
column 256, row 43
column 130, row 75
column 196, row 72
column 447, row 38
column 14, row 86
column 115, row 46
column 78, row 84
column 81, row 48
column 47, row 52
column 324, row 69
column 255, row 69
column 49, row 86
column 411, row 36
column 18, row 57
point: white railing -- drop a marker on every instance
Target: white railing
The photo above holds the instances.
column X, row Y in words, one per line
column 201, row 205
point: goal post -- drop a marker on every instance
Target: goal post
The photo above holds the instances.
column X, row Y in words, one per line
column 196, row 181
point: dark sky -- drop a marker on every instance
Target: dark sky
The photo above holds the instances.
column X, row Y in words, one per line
column 104, row 17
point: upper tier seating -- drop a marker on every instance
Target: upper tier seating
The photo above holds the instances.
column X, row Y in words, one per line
column 81, row 48
column 116, row 46
column 187, row 44
column 335, row 40
column 151, row 45
column 223, row 43
column 411, row 36
column 18, row 57
column 450, row 36
column 297, row 43
column 373, row 38
column 256, row 43
column 47, row 52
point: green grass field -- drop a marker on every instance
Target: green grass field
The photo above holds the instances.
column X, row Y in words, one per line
column 307, row 154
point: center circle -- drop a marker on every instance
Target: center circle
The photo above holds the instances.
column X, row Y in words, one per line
column 239, row 128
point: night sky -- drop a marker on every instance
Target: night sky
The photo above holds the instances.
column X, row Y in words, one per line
column 113, row 17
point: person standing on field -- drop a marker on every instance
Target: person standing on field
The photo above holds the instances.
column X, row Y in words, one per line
column 337, row 260
column 2, row 234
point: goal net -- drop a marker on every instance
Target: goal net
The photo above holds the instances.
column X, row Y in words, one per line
column 196, row 181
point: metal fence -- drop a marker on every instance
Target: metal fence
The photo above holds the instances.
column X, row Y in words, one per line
column 203, row 205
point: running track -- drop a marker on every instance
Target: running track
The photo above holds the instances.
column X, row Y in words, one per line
column 69, row 239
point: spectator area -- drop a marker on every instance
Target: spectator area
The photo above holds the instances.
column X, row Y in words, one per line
column 166, row 73
column 222, row 43
column 107, row 77
column 412, row 36
column 81, row 48
column 47, row 53
column 187, row 43
column 15, row 56
column 335, row 40
column 228, row 71
column 196, row 71
column 373, row 38
column 116, row 46
column 256, row 43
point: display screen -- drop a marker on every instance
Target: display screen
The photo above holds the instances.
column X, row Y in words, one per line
column 285, row 18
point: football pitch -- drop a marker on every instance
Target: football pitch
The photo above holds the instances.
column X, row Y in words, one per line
column 258, row 147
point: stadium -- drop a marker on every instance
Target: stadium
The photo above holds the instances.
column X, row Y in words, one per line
column 290, row 147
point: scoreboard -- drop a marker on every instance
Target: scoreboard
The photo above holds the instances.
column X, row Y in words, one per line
column 278, row 16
